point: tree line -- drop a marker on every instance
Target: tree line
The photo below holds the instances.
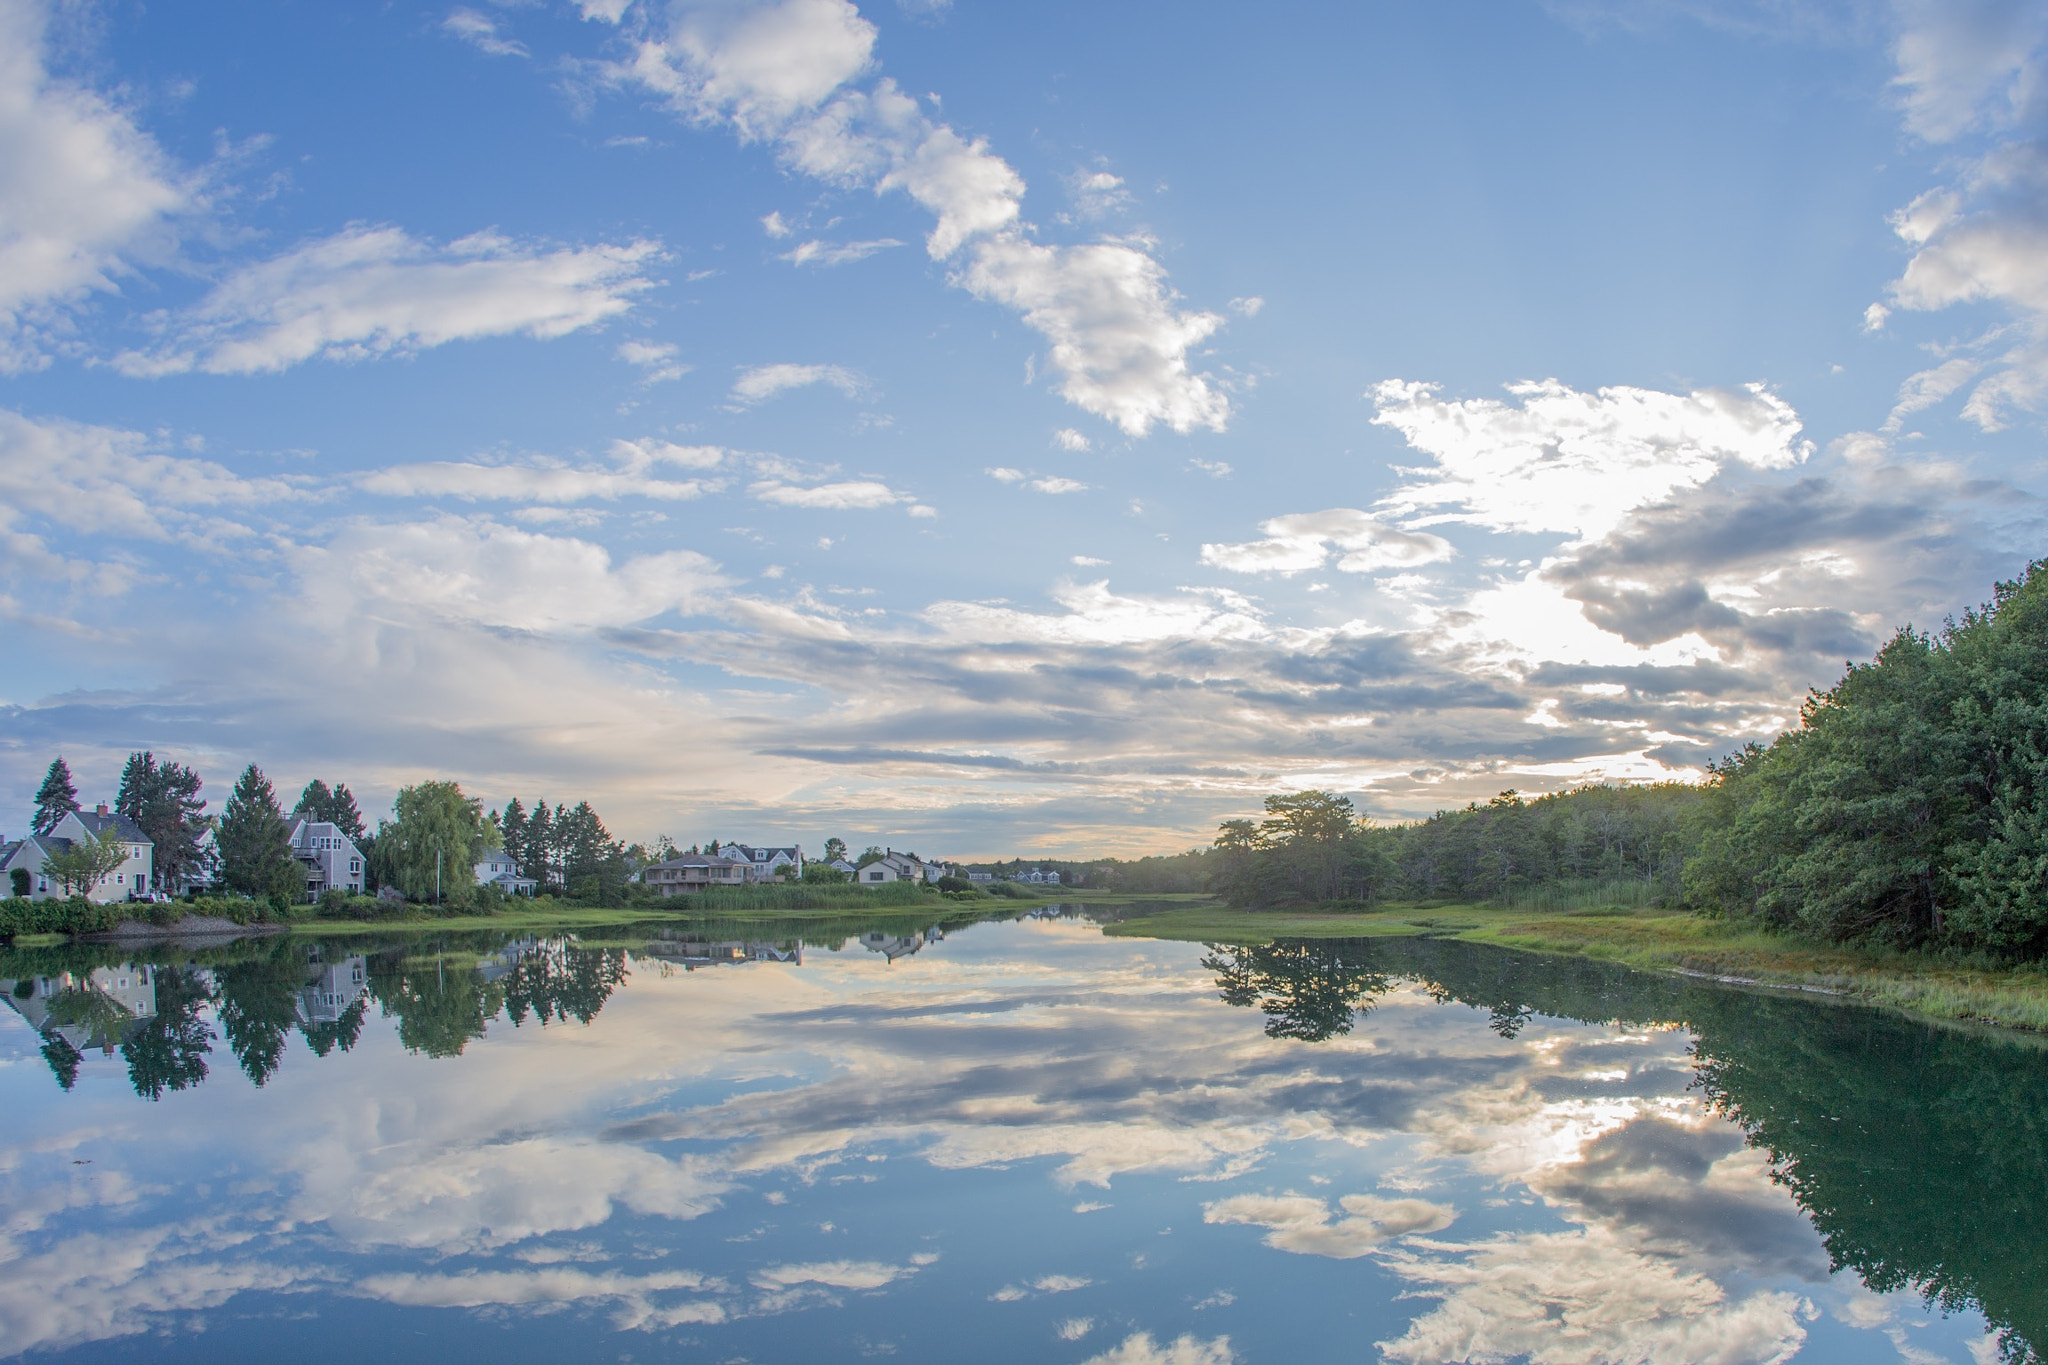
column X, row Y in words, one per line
column 426, row 851
column 1909, row 807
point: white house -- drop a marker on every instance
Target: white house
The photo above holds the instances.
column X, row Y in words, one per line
column 768, row 861
column 892, row 867
column 330, row 859
column 30, row 855
column 845, row 865
column 498, row 869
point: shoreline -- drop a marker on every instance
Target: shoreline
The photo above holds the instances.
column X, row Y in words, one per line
column 1673, row 942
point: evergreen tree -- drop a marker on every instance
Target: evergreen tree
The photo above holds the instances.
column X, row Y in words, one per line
column 336, row 806
column 164, row 800
column 255, row 842
column 56, row 798
column 533, row 854
column 512, row 825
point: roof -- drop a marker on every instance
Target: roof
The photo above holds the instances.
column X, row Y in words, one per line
column 125, row 828
column 702, row 860
column 767, row 853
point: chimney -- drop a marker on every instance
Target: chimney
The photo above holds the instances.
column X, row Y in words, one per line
column 103, row 808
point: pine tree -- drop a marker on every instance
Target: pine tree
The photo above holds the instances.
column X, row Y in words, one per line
column 540, row 830
column 255, row 842
column 336, row 806
column 164, row 800
column 512, row 825
column 56, row 798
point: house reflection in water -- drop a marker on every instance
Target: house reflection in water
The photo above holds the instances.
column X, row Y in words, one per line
column 892, row 946
column 331, row 988
column 692, row 953
column 100, row 1008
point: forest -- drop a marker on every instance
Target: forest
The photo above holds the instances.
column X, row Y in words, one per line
column 1908, row 808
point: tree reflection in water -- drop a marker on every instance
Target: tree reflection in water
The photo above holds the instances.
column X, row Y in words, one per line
column 1919, row 1151
column 169, row 1051
column 1309, row 989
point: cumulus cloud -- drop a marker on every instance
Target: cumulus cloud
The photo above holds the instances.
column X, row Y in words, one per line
column 85, row 195
column 1066, row 438
column 764, row 382
column 1304, row 1225
column 1969, row 65
column 374, row 291
column 788, row 72
column 1573, row 462
column 1302, row 541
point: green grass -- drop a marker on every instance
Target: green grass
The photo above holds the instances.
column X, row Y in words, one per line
column 1651, row 939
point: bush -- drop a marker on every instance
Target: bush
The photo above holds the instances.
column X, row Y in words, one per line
column 1007, row 890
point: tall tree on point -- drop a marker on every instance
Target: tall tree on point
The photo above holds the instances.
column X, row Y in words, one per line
column 56, row 798
column 430, row 850
column 255, row 842
column 533, row 853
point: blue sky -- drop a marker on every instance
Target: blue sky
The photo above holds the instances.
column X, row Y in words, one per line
column 998, row 429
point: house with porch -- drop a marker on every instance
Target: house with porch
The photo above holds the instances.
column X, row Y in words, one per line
column 687, row 872
column 768, row 862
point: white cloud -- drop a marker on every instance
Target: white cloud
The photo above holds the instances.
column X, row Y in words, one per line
column 1577, row 462
column 836, row 253
column 478, row 572
column 1583, row 1298
column 1073, row 1329
column 373, row 291
column 631, row 476
column 1094, row 615
column 1097, row 194
column 783, row 71
column 603, row 11
column 1141, row 1349
column 70, row 478
column 764, row 382
column 833, row 1274
column 1054, row 484
column 84, row 194
column 1005, row 474
column 845, row 496
column 1978, row 68
column 656, row 359
column 1303, row 1225
column 480, row 31
column 635, row 1295
column 1215, row 469
column 1967, row 64
column 1117, row 339
column 1300, row 542
column 1089, row 561
column 1247, row 306
column 1066, row 438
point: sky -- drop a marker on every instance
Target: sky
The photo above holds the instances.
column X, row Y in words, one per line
column 997, row 430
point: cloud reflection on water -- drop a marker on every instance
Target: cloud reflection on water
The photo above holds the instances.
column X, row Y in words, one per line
column 1603, row 1213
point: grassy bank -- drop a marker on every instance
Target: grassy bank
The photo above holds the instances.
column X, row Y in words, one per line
column 1653, row 940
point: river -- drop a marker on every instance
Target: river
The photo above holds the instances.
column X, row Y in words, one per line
column 1000, row 1141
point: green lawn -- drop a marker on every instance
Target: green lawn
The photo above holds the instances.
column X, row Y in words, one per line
column 2011, row 997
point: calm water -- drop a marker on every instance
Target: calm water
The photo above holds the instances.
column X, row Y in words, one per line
column 1005, row 1141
